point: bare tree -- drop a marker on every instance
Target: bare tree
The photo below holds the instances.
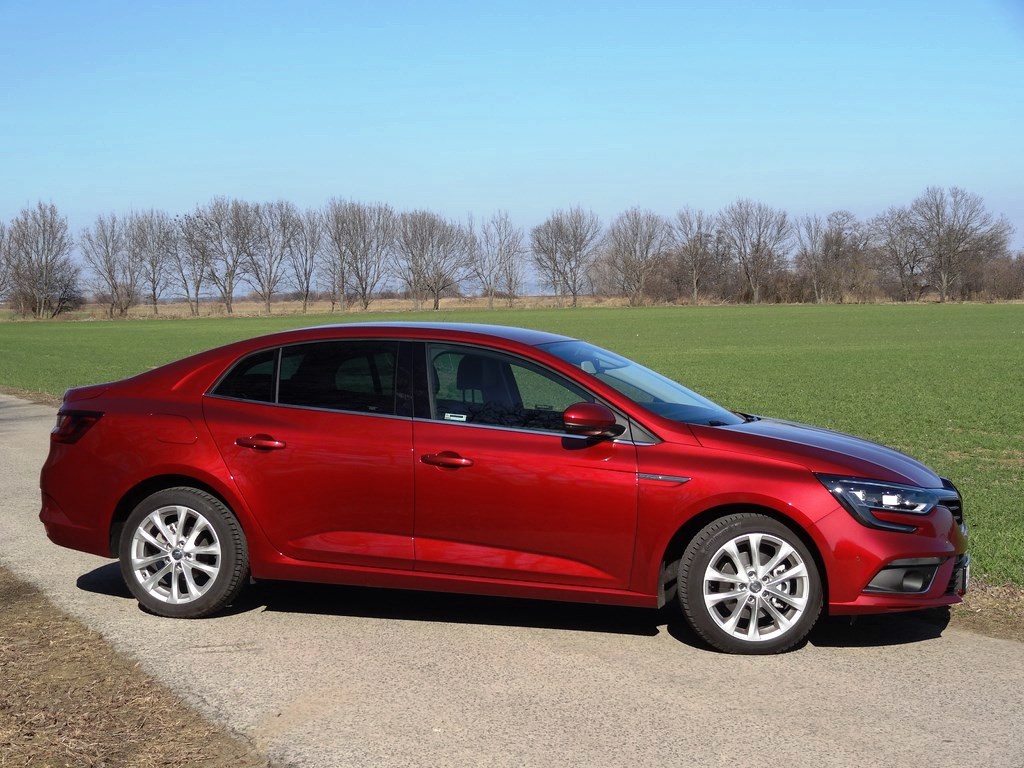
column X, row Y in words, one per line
column 696, row 256
column 849, row 266
column 511, row 279
column 899, row 252
column 153, row 234
column 5, row 262
column 758, row 236
column 546, row 248
column 335, row 259
column 116, row 261
column 331, row 275
column 362, row 237
column 44, row 280
column 274, row 227
column 229, row 229
column 305, row 253
column 191, row 258
column 564, row 248
column 1002, row 278
column 955, row 228
column 830, row 253
column 497, row 257
column 810, row 254
column 432, row 255
column 636, row 243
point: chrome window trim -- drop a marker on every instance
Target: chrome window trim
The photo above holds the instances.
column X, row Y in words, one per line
column 309, row 408
column 520, row 430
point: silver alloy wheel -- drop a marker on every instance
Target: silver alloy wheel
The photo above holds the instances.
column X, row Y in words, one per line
column 175, row 554
column 756, row 587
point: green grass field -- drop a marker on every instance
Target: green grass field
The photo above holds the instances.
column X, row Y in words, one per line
column 944, row 383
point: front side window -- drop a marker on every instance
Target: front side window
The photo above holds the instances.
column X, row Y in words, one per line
column 477, row 386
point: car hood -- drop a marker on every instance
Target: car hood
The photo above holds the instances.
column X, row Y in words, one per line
column 820, row 450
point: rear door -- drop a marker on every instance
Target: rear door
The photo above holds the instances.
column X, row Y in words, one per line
column 502, row 491
column 318, row 438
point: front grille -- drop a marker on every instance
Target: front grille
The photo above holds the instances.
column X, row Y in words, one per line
column 956, row 507
column 954, row 503
column 957, row 578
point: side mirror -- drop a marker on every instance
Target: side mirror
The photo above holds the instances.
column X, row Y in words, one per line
column 591, row 420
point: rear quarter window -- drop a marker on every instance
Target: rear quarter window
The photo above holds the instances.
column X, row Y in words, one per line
column 251, row 378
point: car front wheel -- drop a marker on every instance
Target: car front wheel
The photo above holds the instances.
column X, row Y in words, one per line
column 748, row 584
column 183, row 554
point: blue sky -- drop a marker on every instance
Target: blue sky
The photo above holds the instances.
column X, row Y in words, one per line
column 528, row 107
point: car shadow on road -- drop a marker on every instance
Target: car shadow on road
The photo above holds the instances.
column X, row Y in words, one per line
column 408, row 605
column 880, row 629
column 105, row 580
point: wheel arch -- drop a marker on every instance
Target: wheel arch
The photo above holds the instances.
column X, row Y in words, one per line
column 155, row 484
column 674, row 549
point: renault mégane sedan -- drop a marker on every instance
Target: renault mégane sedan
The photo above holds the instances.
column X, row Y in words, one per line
column 491, row 460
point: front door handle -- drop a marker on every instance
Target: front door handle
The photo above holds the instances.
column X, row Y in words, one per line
column 261, row 443
column 447, row 459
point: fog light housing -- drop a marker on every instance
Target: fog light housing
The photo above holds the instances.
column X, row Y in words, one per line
column 908, row 576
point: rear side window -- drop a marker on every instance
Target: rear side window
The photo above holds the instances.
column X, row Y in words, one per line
column 252, row 378
column 355, row 376
column 340, row 375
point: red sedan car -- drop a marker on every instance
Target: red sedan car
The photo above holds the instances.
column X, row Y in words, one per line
column 484, row 459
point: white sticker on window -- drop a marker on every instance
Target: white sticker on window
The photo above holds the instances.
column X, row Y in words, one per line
column 455, row 417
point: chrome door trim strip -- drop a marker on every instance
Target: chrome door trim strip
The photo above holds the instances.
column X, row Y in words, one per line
column 663, row 478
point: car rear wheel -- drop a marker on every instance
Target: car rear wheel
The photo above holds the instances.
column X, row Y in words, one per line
column 748, row 584
column 183, row 554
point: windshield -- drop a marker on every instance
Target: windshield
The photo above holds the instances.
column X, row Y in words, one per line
column 650, row 390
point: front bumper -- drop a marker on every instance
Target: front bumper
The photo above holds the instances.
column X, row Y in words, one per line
column 857, row 556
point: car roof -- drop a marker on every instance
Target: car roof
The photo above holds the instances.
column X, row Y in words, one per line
column 211, row 362
column 511, row 333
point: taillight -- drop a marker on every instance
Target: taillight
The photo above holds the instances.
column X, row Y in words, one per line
column 71, row 425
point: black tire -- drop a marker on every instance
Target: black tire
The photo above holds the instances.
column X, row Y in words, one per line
column 782, row 602
column 183, row 554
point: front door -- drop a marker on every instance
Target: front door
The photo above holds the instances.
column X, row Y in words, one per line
column 502, row 491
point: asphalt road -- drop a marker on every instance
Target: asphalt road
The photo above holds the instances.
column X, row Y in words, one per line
column 328, row 676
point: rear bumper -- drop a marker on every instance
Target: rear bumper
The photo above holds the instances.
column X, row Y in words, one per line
column 61, row 530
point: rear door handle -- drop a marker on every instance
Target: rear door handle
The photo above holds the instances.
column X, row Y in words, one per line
column 261, row 443
column 448, row 459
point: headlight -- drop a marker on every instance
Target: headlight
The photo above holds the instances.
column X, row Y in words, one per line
column 862, row 498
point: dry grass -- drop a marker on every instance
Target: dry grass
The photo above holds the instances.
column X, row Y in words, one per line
column 993, row 610
column 42, row 398
column 69, row 700
column 249, row 308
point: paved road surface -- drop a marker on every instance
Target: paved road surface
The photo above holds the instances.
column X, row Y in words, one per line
column 326, row 676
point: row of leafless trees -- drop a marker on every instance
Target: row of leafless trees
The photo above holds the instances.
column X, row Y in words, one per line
column 945, row 242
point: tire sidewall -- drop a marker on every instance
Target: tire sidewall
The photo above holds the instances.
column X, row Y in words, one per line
column 233, row 558
column 696, row 559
